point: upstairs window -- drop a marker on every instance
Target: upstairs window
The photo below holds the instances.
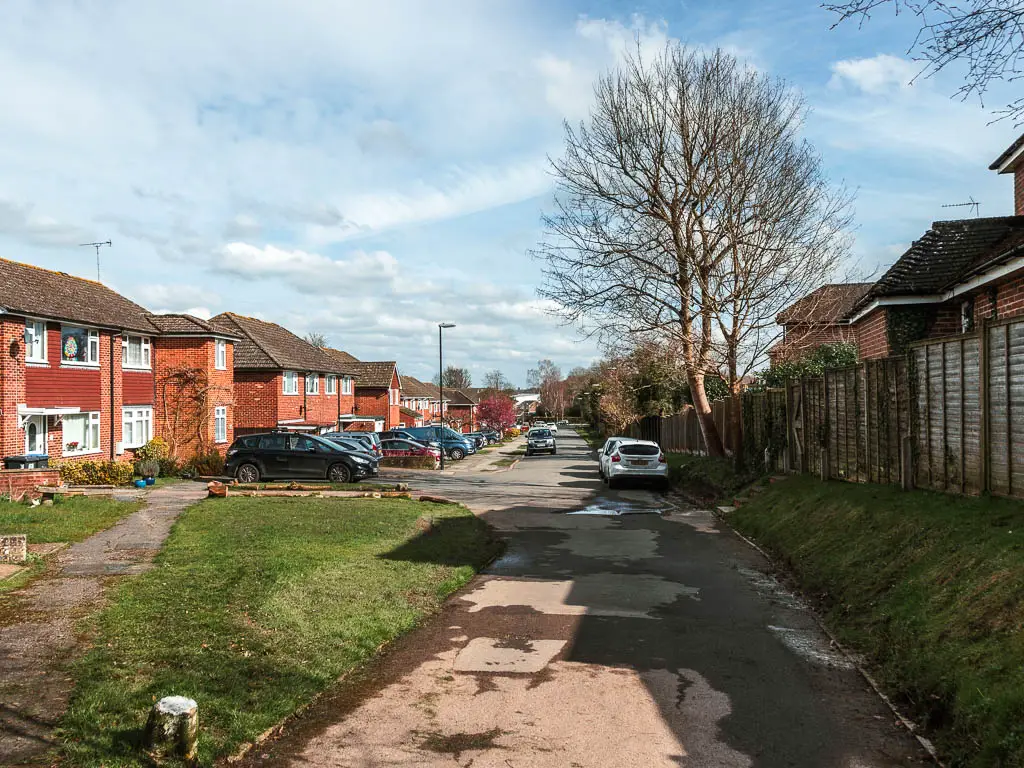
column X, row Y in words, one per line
column 79, row 346
column 346, row 386
column 331, row 384
column 135, row 351
column 222, row 355
column 35, row 341
column 312, row 384
column 291, row 383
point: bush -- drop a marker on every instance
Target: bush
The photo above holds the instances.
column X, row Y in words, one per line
column 155, row 450
column 209, row 463
column 410, row 462
column 96, row 473
column 147, row 468
column 514, row 432
column 170, row 467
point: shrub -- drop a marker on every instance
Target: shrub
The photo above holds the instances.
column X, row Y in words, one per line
column 147, row 468
column 209, row 463
column 170, row 467
column 96, row 473
column 514, row 432
column 155, row 450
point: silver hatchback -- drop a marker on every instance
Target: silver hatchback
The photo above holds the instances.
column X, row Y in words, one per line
column 636, row 460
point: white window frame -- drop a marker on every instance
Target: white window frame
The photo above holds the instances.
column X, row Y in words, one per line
column 290, row 378
column 37, row 330
column 396, row 396
column 346, row 385
column 92, row 336
column 140, row 420
column 314, row 379
column 220, row 424
column 145, row 352
column 221, row 355
column 330, row 384
column 92, row 420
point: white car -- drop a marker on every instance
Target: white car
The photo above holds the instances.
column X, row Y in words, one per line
column 636, row 460
column 605, row 451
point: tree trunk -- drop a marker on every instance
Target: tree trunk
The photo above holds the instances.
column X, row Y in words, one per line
column 173, row 729
column 708, row 428
column 736, row 412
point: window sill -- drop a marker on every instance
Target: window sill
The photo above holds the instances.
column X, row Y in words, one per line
column 290, row 394
column 37, row 363
column 220, row 368
column 66, row 364
column 75, row 454
column 144, row 368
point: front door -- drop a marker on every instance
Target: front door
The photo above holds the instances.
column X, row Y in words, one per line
column 35, row 434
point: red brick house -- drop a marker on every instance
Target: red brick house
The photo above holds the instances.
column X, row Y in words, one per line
column 378, row 390
column 82, row 370
column 420, row 400
column 818, row 318
column 282, row 381
column 461, row 415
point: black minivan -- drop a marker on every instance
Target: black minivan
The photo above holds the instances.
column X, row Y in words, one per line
column 290, row 456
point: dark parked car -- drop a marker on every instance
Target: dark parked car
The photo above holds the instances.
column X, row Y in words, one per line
column 369, row 439
column 484, row 437
column 287, row 456
column 354, row 446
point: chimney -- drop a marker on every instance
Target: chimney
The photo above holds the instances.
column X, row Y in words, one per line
column 1012, row 161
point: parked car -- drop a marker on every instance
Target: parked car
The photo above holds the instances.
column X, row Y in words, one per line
column 396, row 447
column 493, row 436
column 540, row 441
column 455, row 446
column 370, row 439
column 290, row 456
column 605, row 451
column 479, row 439
column 636, row 460
column 354, row 445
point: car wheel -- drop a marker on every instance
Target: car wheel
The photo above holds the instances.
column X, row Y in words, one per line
column 611, row 483
column 339, row 473
column 554, row 452
column 458, row 454
column 248, row 473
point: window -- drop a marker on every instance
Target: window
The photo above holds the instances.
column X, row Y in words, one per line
column 79, row 346
column 35, row 341
column 135, row 351
column 312, row 384
column 220, row 424
column 136, row 426
column 967, row 316
column 271, row 442
column 395, row 396
column 222, row 355
column 81, row 433
column 300, row 443
column 346, row 386
column 291, row 383
column 331, row 384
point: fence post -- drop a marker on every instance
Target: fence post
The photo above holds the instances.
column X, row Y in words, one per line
column 907, row 463
column 825, row 462
column 983, row 441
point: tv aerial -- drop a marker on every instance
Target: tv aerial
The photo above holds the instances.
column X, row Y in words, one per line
column 97, row 246
column 973, row 205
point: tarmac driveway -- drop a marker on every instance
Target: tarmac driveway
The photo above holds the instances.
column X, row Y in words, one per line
column 617, row 630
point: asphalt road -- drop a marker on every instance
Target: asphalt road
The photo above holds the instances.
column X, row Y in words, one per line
column 637, row 633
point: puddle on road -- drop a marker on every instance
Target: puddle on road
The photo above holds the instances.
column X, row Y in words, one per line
column 811, row 645
column 638, row 505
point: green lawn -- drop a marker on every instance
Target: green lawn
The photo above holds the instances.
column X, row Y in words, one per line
column 257, row 605
column 70, row 519
column 929, row 586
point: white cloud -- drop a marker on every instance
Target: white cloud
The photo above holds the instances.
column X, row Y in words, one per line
column 174, row 298
column 21, row 222
column 878, row 74
column 308, row 272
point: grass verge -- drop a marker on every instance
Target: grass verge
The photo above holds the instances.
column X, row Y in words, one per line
column 928, row 587
column 705, row 479
column 255, row 606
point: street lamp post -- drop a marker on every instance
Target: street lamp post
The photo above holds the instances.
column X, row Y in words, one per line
column 440, row 378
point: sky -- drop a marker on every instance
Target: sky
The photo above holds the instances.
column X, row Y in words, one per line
column 368, row 170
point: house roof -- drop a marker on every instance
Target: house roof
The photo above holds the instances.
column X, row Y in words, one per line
column 1009, row 152
column 377, row 374
column 827, row 304
column 266, row 345
column 410, row 412
column 949, row 253
column 29, row 290
column 187, row 325
column 413, row 387
column 458, row 397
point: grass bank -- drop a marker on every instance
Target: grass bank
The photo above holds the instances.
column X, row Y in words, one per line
column 705, row 479
column 255, row 606
column 928, row 586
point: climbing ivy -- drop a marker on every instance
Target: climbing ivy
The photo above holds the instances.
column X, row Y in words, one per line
column 904, row 325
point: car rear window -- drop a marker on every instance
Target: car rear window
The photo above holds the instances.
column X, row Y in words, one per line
column 632, row 449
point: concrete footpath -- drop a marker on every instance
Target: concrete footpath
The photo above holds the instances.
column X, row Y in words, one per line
column 617, row 630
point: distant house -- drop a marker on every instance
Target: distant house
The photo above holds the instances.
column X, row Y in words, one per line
column 85, row 373
column 461, row 415
column 818, row 318
column 420, row 399
column 378, row 395
column 282, row 381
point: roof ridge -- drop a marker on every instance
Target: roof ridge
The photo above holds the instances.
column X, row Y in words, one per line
column 63, row 274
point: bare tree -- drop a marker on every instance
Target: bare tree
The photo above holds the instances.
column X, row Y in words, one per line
column 545, row 369
column 648, row 225
column 986, row 35
column 455, row 378
column 495, row 380
column 317, row 339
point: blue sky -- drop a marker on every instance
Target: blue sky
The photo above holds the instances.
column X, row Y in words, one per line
column 367, row 170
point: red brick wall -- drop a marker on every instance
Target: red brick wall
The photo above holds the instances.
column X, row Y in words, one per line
column 175, row 417
column 52, row 385
column 138, row 387
column 18, row 483
column 464, row 416
column 256, row 399
column 373, row 402
column 802, row 338
column 1018, row 190
column 872, row 335
column 12, row 384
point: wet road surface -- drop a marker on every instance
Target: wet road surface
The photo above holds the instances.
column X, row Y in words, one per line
column 618, row 629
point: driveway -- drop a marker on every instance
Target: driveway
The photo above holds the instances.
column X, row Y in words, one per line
column 617, row 630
